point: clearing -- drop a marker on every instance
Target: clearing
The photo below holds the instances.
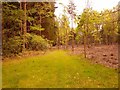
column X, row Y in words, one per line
column 57, row 69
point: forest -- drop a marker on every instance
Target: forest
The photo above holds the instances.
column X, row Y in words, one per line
column 42, row 50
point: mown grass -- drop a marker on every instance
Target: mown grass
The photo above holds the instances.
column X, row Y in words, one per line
column 57, row 69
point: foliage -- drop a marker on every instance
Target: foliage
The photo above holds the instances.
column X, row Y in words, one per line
column 38, row 15
column 99, row 27
column 12, row 46
column 36, row 42
column 64, row 29
column 36, row 28
column 11, row 34
column 11, row 20
column 41, row 19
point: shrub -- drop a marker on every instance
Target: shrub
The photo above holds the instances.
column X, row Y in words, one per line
column 12, row 46
column 35, row 42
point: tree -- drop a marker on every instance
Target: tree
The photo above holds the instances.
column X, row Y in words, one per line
column 71, row 11
column 109, row 26
column 119, row 23
column 97, row 27
column 65, row 29
column 24, row 25
column 41, row 19
column 21, row 22
column 11, row 32
column 83, row 25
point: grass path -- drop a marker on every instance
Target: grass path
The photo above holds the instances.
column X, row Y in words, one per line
column 57, row 69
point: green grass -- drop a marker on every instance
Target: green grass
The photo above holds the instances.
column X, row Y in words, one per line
column 57, row 69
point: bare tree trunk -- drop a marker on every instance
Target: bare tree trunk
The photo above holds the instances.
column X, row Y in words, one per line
column 21, row 17
column 66, row 39
column 58, row 40
column 84, row 42
column 112, row 37
column 21, row 24
column 24, row 26
column 40, row 24
column 72, row 36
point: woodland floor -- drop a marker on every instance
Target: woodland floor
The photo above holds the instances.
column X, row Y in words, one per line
column 106, row 55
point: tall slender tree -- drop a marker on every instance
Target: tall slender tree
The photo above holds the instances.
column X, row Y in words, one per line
column 71, row 11
column 24, row 25
column 21, row 17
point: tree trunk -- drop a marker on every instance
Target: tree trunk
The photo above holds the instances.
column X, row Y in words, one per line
column 84, row 37
column 40, row 24
column 72, row 36
column 58, row 40
column 24, row 26
column 21, row 18
column 66, row 39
